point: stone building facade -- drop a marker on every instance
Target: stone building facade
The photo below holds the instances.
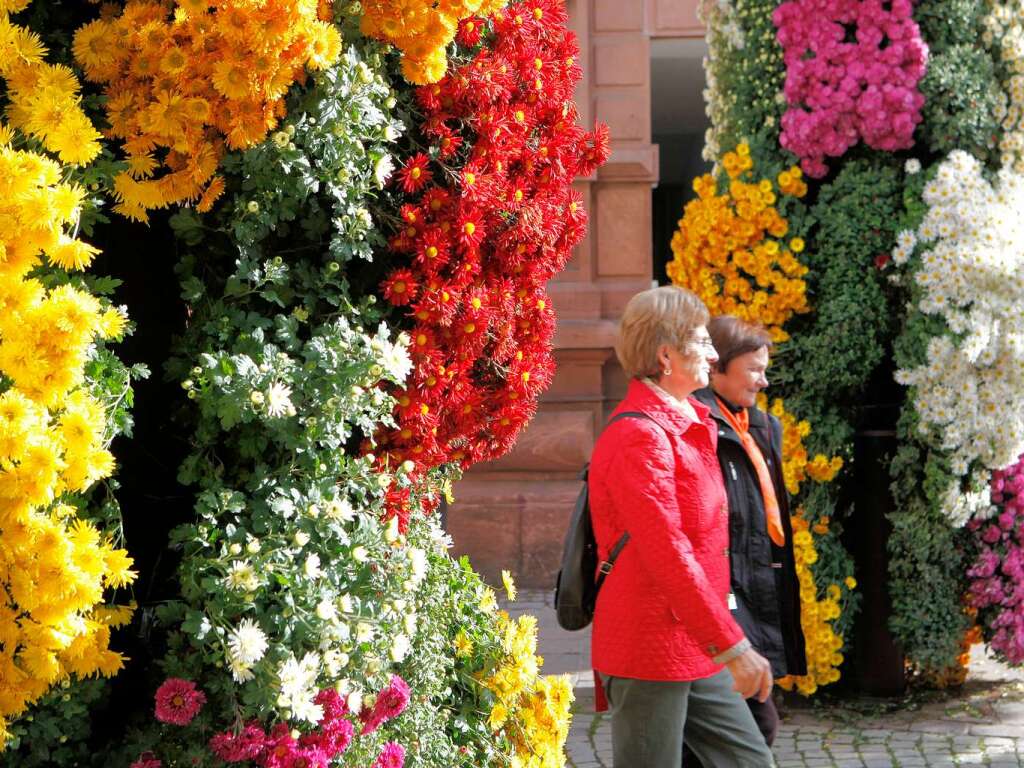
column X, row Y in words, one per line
column 512, row 513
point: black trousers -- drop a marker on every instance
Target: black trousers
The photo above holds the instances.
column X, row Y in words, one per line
column 765, row 715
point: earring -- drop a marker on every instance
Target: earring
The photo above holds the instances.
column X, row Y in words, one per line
column 667, row 371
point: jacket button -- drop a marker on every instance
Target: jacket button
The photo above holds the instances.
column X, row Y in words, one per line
column 725, row 552
column 713, row 650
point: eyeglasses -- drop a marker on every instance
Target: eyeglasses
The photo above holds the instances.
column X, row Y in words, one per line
column 705, row 344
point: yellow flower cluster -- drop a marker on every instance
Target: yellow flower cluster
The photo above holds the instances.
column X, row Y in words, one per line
column 54, row 567
column 44, row 98
column 730, row 248
column 421, row 31
column 796, row 467
column 816, row 616
column 179, row 85
column 532, row 711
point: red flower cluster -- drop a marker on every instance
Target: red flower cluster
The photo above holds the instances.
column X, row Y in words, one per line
column 490, row 216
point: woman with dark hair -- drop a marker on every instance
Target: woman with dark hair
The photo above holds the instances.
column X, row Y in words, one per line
column 765, row 595
column 669, row 655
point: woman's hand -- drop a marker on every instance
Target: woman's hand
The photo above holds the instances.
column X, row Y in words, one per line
column 751, row 675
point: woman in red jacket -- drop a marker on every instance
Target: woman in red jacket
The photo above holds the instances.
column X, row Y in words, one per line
column 669, row 656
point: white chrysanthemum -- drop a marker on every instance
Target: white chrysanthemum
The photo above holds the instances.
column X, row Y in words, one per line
column 312, row 566
column 242, row 577
column 325, row 610
column 383, row 169
column 279, row 400
column 913, row 165
column 297, row 683
column 247, row 643
column 400, row 647
column 394, row 358
column 417, row 564
column 241, row 672
column 340, row 510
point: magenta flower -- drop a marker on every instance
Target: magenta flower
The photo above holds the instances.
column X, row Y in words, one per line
column 391, row 702
column 146, row 760
column 997, row 575
column 178, row 701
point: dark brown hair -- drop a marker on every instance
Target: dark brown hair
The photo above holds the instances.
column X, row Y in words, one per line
column 733, row 337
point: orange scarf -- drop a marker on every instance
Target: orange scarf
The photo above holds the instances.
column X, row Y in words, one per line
column 740, row 422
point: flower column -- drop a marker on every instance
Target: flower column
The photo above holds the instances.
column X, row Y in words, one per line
column 511, row 513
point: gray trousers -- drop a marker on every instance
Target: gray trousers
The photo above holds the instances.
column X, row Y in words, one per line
column 651, row 717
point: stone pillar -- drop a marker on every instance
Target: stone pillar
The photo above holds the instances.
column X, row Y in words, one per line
column 512, row 513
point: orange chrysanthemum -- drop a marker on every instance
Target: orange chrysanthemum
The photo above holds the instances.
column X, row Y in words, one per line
column 182, row 83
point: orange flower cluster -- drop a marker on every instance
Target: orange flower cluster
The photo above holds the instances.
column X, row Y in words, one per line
column 181, row 82
column 796, row 467
column 729, row 248
column 422, row 31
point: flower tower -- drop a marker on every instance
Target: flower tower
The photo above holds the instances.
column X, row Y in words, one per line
column 367, row 200
column 866, row 163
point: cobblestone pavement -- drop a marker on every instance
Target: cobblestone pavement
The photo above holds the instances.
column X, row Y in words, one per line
column 981, row 725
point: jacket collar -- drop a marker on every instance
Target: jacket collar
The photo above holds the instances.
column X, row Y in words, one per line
column 659, row 407
column 758, row 419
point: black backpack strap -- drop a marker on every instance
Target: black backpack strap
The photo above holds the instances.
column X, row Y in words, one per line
column 606, row 565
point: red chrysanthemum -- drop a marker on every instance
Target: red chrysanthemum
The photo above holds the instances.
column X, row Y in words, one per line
column 469, row 31
column 415, row 174
column 470, row 228
column 400, row 288
column 178, row 701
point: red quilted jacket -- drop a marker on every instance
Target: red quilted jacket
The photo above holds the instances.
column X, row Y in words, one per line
column 662, row 613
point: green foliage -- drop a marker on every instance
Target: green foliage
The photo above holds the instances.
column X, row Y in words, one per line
column 56, row 730
column 746, row 74
column 963, row 102
column 847, row 336
column 948, row 23
column 927, row 557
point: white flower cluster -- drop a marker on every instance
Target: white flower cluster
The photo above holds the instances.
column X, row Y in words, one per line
column 724, row 35
column 1003, row 35
column 971, row 271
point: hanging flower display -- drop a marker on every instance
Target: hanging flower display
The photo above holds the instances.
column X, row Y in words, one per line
column 56, row 564
column 489, row 217
column 997, row 574
column 968, row 266
column 819, row 610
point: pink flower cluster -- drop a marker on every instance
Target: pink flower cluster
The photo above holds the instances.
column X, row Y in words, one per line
column 852, row 70
column 997, row 576
column 335, row 731
column 279, row 749
column 178, row 701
